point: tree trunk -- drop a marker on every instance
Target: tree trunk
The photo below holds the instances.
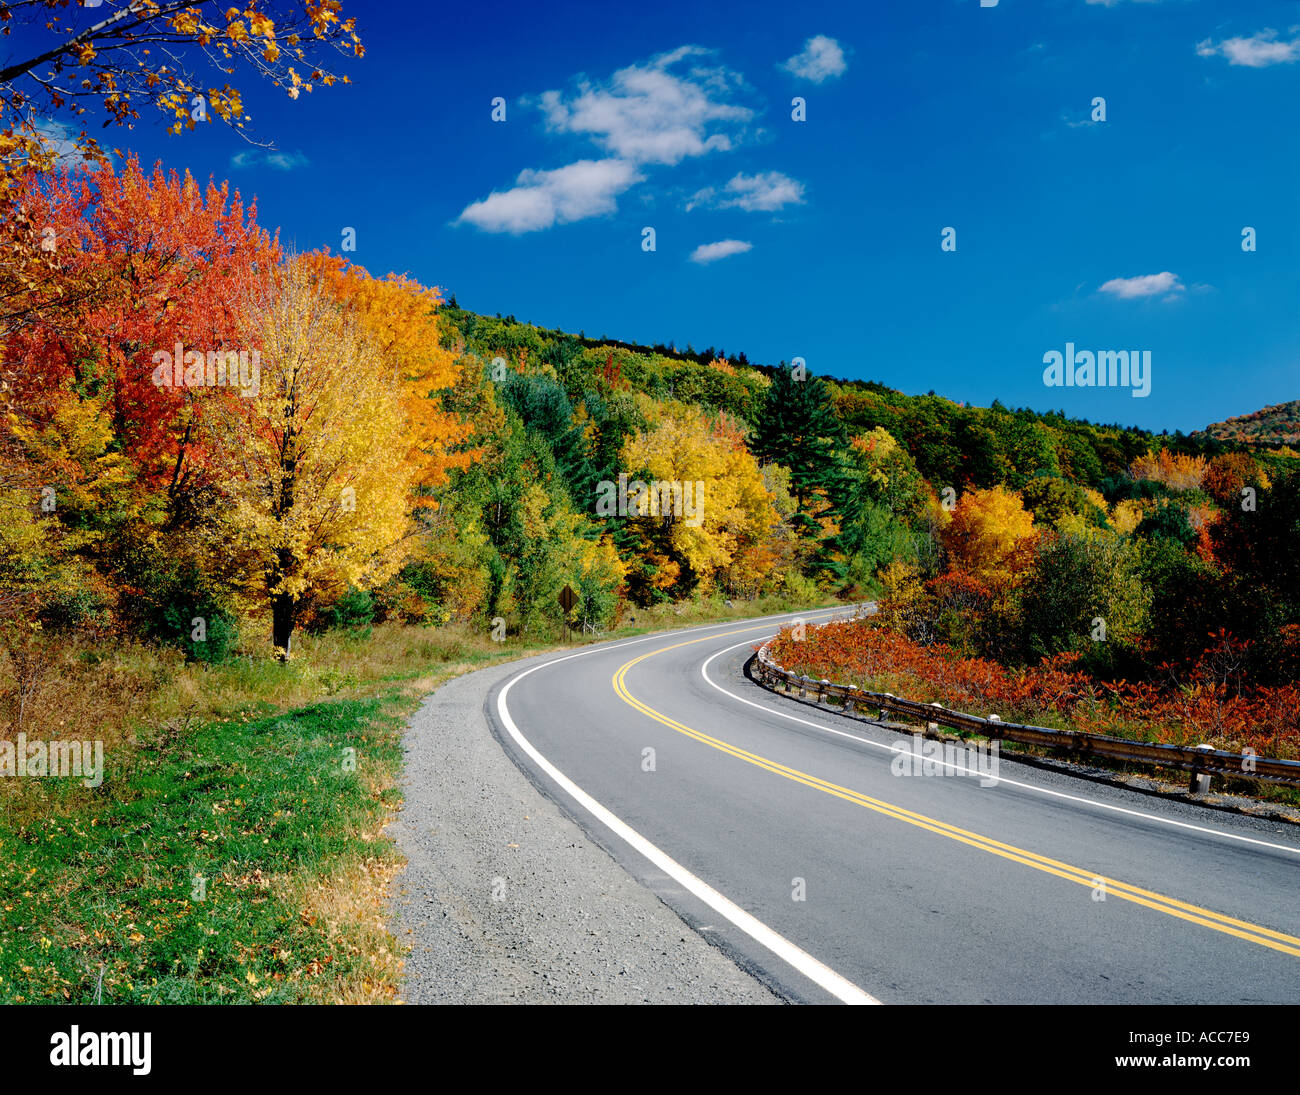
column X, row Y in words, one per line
column 284, row 607
column 284, row 610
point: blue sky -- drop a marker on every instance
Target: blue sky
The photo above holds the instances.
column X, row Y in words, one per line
column 821, row 238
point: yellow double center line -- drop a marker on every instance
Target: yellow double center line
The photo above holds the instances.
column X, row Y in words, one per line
column 1253, row 933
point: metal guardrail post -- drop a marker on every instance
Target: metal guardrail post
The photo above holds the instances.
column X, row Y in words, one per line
column 1200, row 781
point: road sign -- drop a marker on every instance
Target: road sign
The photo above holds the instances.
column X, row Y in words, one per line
column 568, row 599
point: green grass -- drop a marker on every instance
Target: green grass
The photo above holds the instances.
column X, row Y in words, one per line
column 105, row 902
column 233, row 774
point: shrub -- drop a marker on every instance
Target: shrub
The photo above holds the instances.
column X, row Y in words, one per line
column 199, row 627
column 1075, row 581
column 76, row 611
column 354, row 611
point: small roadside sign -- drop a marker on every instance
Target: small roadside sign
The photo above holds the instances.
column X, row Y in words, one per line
column 567, row 600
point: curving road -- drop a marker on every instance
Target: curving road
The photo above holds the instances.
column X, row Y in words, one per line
column 781, row 833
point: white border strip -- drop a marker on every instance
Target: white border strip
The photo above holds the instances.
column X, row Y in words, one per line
column 825, row 977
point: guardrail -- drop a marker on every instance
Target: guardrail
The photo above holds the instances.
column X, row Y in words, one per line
column 1202, row 761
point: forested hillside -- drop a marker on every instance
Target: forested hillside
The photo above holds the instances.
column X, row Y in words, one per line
column 992, row 507
column 212, row 444
column 1276, row 425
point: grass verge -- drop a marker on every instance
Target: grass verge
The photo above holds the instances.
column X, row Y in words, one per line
column 235, row 850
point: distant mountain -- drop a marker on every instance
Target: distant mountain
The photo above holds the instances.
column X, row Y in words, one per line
column 1277, row 425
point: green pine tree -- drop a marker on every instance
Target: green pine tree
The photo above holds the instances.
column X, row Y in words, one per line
column 798, row 429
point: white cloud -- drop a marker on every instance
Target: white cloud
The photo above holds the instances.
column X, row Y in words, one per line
column 286, row 161
column 821, row 59
column 765, row 192
column 61, row 139
column 711, row 252
column 278, row 161
column 648, row 114
column 1257, row 51
column 541, row 199
column 674, row 107
column 1145, row 285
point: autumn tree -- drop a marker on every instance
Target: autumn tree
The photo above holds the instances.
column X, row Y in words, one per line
column 1178, row 471
column 97, row 456
column 987, row 533
column 112, row 59
column 398, row 316
column 54, row 474
column 716, row 507
column 320, row 466
column 139, row 263
column 1227, row 476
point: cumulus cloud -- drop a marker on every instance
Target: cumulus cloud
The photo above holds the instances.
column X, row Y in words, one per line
column 1258, row 51
column 765, row 192
column 651, row 114
column 1145, row 285
column 711, row 252
column 540, row 199
column 821, row 59
column 674, row 107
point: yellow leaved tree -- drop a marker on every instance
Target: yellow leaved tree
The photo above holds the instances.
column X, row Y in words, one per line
column 398, row 316
column 725, row 509
column 1179, row 471
column 987, row 534
column 319, row 463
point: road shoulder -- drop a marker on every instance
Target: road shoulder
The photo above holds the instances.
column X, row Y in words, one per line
column 505, row 900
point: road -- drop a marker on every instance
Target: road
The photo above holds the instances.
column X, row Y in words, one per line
column 782, row 834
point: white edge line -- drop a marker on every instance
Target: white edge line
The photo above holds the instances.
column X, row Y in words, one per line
column 1000, row 779
column 822, row 975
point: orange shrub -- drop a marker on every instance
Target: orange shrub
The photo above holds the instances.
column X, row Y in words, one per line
column 1208, row 707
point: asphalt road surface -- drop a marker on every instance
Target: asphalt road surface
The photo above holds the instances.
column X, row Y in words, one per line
column 784, row 835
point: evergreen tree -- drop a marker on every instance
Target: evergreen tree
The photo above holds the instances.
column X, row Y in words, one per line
column 798, row 429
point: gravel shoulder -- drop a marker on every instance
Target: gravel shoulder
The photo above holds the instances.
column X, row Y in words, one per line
column 505, row 900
